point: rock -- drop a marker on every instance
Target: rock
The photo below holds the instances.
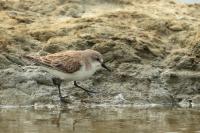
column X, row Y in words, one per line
column 14, row 59
column 42, row 35
column 3, row 5
column 196, row 99
column 196, row 50
column 181, row 82
column 187, row 63
column 24, row 80
column 176, row 26
column 52, row 48
column 118, row 99
column 4, row 62
column 164, row 98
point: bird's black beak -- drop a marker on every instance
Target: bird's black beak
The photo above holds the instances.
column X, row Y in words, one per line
column 104, row 66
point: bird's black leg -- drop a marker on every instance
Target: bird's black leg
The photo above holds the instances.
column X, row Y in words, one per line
column 57, row 82
column 88, row 91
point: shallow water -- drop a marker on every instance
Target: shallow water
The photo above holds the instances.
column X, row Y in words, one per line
column 100, row 120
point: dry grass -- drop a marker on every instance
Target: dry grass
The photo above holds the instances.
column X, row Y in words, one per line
column 177, row 51
column 194, row 43
column 4, row 42
column 196, row 38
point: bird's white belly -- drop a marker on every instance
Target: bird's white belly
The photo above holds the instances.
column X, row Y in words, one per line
column 81, row 74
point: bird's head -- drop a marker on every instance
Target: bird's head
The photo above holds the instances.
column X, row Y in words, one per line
column 97, row 59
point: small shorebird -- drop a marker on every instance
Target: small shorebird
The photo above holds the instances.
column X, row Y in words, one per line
column 71, row 66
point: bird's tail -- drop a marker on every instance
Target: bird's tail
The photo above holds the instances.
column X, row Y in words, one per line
column 35, row 61
column 32, row 60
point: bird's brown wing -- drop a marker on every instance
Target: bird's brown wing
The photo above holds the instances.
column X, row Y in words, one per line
column 64, row 63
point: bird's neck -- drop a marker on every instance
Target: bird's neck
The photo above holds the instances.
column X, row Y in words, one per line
column 87, row 64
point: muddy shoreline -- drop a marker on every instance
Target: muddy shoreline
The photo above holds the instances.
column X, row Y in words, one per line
column 153, row 48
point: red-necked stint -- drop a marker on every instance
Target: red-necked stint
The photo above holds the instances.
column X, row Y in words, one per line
column 75, row 65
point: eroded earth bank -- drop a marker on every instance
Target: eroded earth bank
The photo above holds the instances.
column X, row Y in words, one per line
column 152, row 46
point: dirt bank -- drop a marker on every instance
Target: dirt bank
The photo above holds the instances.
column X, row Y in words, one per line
column 153, row 48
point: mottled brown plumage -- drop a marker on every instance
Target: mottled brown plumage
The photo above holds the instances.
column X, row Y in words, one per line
column 67, row 62
column 70, row 66
column 63, row 62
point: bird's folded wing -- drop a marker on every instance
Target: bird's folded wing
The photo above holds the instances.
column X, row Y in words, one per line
column 67, row 64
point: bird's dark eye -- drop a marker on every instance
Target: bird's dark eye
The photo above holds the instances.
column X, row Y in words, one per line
column 97, row 59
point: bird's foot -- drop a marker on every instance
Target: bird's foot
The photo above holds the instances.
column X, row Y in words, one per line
column 65, row 100
column 90, row 93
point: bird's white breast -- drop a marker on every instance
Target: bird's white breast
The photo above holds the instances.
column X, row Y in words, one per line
column 81, row 74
